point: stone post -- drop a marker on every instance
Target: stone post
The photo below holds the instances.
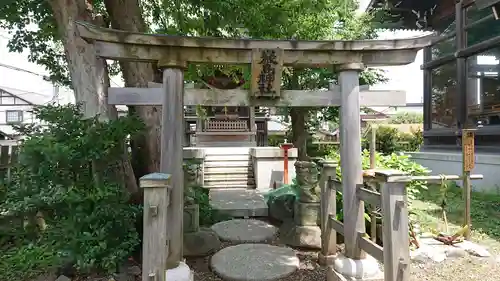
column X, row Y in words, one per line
column 155, row 245
column 172, row 143
column 350, row 155
column 328, row 207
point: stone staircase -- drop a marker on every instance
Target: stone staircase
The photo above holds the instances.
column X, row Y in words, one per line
column 229, row 175
column 228, row 167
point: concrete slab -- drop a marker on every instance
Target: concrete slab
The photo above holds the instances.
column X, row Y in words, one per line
column 238, row 203
column 254, row 262
column 245, row 231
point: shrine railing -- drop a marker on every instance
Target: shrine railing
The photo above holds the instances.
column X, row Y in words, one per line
column 225, row 125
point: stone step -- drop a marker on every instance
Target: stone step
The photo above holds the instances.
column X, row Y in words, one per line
column 226, row 144
column 229, row 184
column 238, row 201
column 215, row 170
column 245, row 163
column 245, row 231
column 226, row 150
column 254, row 262
column 229, row 157
column 229, row 177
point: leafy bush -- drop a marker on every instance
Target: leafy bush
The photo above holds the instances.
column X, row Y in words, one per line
column 69, row 184
column 393, row 161
column 407, row 118
column 390, row 140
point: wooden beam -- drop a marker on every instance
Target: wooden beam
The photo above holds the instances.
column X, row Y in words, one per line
column 95, row 33
column 208, row 97
column 305, row 58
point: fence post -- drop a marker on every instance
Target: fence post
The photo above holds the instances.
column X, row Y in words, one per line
column 328, row 207
column 155, row 242
column 395, row 226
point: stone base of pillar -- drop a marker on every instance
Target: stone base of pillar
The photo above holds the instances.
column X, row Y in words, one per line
column 326, row 260
column 180, row 273
column 346, row 269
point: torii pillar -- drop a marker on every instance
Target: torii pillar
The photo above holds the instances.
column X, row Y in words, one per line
column 172, row 143
column 355, row 263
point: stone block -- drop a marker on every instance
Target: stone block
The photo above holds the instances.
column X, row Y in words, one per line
column 201, row 243
column 300, row 235
column 191, row 221
column 307, row 213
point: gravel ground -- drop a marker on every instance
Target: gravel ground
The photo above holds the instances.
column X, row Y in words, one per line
column 309, row 268
column 466, row 268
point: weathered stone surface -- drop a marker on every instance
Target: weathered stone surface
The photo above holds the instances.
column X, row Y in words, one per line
column 307, row 213
column 201, row 243
column 474, row 249
column 300, row 235
column 254, row 262
column 308, row 181
column 281, row 207
column 191, row 221
column 432, row 250
column 245, row 230
column 63, row 278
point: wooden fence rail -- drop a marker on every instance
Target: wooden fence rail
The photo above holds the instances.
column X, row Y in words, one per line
column 386, row 191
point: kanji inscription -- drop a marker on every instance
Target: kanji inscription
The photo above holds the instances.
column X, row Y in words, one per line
column 267, row 65
column 468, row 150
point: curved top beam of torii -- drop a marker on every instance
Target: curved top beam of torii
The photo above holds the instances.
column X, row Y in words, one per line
column 124, row 45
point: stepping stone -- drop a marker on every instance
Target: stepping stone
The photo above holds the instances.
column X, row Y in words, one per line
column 245, row 231
column 254, row 262
column 238, row 202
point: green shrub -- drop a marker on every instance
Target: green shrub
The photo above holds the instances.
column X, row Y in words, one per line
column 390, row 140
column 407, row 118
column 393, row 161
column 69, row 171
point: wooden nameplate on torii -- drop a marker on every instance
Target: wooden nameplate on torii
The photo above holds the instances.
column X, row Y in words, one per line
column 267, row 67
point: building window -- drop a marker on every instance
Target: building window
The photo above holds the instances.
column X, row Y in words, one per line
column 444, row 96
column 482, row 25
column 446, row 28
column 483, row 88
column 14, row 116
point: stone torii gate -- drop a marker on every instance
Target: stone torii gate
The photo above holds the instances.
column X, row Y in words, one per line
column 267, row 59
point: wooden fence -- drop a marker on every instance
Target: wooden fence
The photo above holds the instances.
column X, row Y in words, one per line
column 384, row 190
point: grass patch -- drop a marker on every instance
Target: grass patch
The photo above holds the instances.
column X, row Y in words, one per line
column 485, row 213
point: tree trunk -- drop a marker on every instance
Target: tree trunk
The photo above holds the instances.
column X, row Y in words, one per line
column 127, row 15
column 88, row 73
column 299, row 131
column 298, row 117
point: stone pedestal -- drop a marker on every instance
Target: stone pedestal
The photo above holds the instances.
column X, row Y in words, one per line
column 303, row 230
column 307, row 213
column 349, row 269
column 191, row 219
column 197, row 242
